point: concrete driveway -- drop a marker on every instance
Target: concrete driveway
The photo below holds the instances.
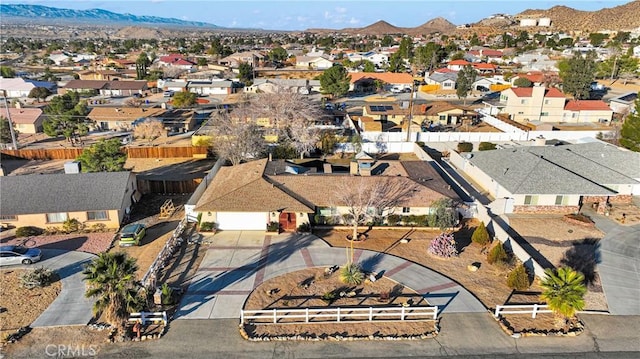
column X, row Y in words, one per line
column 619, row 266
column 237, row 262
column 70, row 307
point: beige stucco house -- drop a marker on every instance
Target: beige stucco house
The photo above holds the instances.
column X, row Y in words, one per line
column 26, row 120
column 48, row 200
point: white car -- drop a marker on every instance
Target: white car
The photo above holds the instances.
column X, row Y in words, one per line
column 18, row 255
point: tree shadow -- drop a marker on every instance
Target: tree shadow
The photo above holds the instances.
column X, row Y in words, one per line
column 583, row 257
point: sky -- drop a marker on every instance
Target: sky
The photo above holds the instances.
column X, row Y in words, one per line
column 331, row 14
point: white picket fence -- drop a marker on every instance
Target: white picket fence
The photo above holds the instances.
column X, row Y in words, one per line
column 338, row 315
column 149, row 317
column 534, row 309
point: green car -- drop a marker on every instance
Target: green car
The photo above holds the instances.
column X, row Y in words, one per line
column 132, row 234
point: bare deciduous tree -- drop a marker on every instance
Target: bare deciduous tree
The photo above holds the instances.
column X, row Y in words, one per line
column 236, row 136
column 293, row 114
column 133, row 102
column 149, row 129
column 370, row 198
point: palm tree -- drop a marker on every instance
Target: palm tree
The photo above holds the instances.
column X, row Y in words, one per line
column 564, row 291
column 111, row 278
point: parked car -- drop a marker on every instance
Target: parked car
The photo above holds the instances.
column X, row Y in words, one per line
column 17, row 254
column 168, row 94
column 132, row 234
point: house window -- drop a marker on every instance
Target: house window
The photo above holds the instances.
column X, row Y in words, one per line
column 406, row 209
column 8, row 217
column 57, row 217
column 546, row 102
column 559, row 200
column 520, row 113
column 442, row 118
column 544, row 114
column 97, row 216
column 574, row 115
column 530, row 200
column 522, row 102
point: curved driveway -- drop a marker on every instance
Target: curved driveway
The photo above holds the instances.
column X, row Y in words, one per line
column 70, row 307
column 239, row 261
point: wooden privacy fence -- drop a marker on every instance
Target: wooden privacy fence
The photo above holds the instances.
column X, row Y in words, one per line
column 132, row 152
column 338, row 315
column 534, row 309
column 168, row 187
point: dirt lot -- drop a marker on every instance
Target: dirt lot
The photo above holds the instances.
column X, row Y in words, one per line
column 564, row 243
column 21, row 306
column 305, row 288
column 44, row 342
column 84, row 242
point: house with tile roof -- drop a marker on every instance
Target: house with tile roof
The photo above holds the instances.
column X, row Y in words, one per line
column 364, row 81
column 26, row 120
column 250, row 195
column 555, row 179
column 543, row 104
column 457, row 65
column 47, row 200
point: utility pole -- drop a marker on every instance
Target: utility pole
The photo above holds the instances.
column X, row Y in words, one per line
column 13, row 133
column 413, row 86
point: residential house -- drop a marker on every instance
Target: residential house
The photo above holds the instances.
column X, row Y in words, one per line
column 551, row 105
column 250, row 195
column 313, row 62
column 59, row 58
column 19, row 87
column 213, row 87
column 624, row 103
column 121, row 118
column 94, row 86
column 444, row 80
column 48, row 200
column 253, row 58
column 177, row 61
column 443, row 113
column 177, row 120
column 26, row 120
column 124, row 88
column 103, row 75
column 365, row 81
column 483, row 68
column 554, row 179
column 536, row 77
column 457, row 65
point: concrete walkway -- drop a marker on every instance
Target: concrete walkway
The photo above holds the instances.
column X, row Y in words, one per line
column 70, row 307
column 619, row 266
column 237, row 262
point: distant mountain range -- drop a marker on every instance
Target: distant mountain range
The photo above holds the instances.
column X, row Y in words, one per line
column 43, row 14
column 623, row 17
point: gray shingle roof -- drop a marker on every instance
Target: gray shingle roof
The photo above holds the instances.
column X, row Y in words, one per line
column 521, row 171
column 53, row 193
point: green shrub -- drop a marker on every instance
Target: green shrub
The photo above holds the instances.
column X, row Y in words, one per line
column 39, row 277
column 329, row 297
column 304, row 227
column 273, row 227
column 351, row 274
column 208, row 226
column 166, row 294
column 481, row 235
column 432, row 220
column 486, row 146
column 465, row 147
column 28, row 231
column 497, row 255
column 393, row 219
column 98, row 227
column 71, row 225
column 518, row 278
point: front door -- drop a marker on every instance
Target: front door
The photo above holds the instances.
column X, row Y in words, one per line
column 288, row 221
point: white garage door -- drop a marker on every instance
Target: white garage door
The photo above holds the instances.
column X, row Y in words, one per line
column 242, row 221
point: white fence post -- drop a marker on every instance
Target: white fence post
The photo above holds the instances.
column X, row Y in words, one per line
column 402, row 314
column 306, row 315
column 338, row 314
column 497, row 314
column 535, row 310
column 435, row 312
column 275, row 315
column 370, row 314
